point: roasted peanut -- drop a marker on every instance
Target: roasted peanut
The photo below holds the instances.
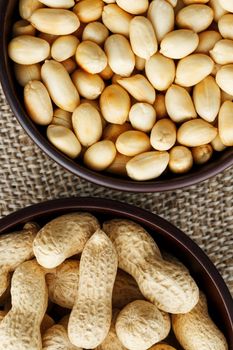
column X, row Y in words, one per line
column 225, row 26
column 90, row 319
column 132, row 142
column 169, row 286
column 64, row 140
column 100, row 155
column 118, row 166
column 142, row 116
column 89, row 86
column 38, row 103
column 27, row 49
column 89, row 10
column 226, row 5
column 139, row 87
column 147, row 166
column 121, row 58
column 26, row 73
column 27, row 7
column 196, row 331
column 225, row 123
column 112, row 131
column 207, row 40
column 202, row 154
column 161, row 15
column 140, row 325
column 160, row 71
column 64, row 47
column 222, row 52
column 224, row 78
column 87, row 124
column 55, row 21
column 23, row 28
column 134, row 7
column 197, row 17
column 20, row 328
column 181, row 160
column 219, row 11
column 91, row 57
column 195, row 133
column 60, row 86
column 217, row 144
column 115, row 104
column 163, row 135
column 184, row 110
column 160, row 107
column 63, row 237
column 58, row 3
column 116, row 19
column 95, row 32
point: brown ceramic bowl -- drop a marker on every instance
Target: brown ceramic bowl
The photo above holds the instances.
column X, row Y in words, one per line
column 168, row 237
column 221, row 161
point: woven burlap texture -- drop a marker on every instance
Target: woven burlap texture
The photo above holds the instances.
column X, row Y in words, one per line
column 204, row 211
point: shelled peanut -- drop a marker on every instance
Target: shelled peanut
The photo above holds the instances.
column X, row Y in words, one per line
column 132, row 62
column 105, row 307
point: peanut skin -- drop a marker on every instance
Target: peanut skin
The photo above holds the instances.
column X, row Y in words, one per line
column 20, row 328
column 196, row 331
column 163, row 283
column 15, row 248
column 91, row 316
column 63, row 237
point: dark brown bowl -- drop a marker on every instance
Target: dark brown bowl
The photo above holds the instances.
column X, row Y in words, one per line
column 168, row 237
column 221, row 161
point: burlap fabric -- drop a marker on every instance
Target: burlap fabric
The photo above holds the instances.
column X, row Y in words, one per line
column 204, row 212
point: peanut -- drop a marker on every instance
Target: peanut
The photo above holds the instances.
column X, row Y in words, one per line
column 207, row 99
column 20, row 328
column 161, row 15
column 91, row 57
column 202, row 154
column 140, row 63
column 115, row 104
column 64, row 140
column 226, row 5
column 139, row 87
column 100, row 155
column 64, row 47
column 167, row 285
column 160, row 71
column 162, row 346
column 133, row 7
column 163, row 135
column 184, row 105
column 140, row 325
column 23, row 28
column 27, row 7
column 147, row 166
column 63, row 237
column 224, row 78
column 222, row 52
column 55, row 21
column 217, row 144
column 38, row 103
column 219, row 11
column 207, row 40
column 225, row 26
column 58, row 3
column 63, row 283
column 112, row 131
column 132, row 142
column 179, row 43
column 197, row 17
column 89, row 86
column 63, row 118
column 120, row 55
column 87, row 124
column 192, row 69
column 56, row 338
column 91, row 315
column 26, row 73
column 196, row 331
column 225, row 123
column 118, row 166
column 160, row 107
column 89, row 10
column 142, row 116
column 116, row 19
column 195, row 133
column 95, row 32
column 15, row 248
column 142, row 37
column 60, row 86
column 26, row 49
column 181, row 160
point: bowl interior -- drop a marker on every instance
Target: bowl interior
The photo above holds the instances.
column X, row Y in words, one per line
column 220, row 161
column 168, row 237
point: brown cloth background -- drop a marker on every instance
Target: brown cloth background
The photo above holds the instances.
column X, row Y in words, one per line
column 204, row 211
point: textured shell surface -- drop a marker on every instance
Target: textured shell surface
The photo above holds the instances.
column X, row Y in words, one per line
column 63, row 283
column 91, row 315
column 20, row 328
column 125, row 290
column 167, row 285
column 56, row 338
column 196, row 331
column 112, row 342
column 63, row 237
column 141, row 324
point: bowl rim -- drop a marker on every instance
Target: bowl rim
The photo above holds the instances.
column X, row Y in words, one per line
column 128, row 185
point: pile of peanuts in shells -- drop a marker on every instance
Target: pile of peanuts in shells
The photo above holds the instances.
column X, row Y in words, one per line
column 132, row 87
column 75, row 284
